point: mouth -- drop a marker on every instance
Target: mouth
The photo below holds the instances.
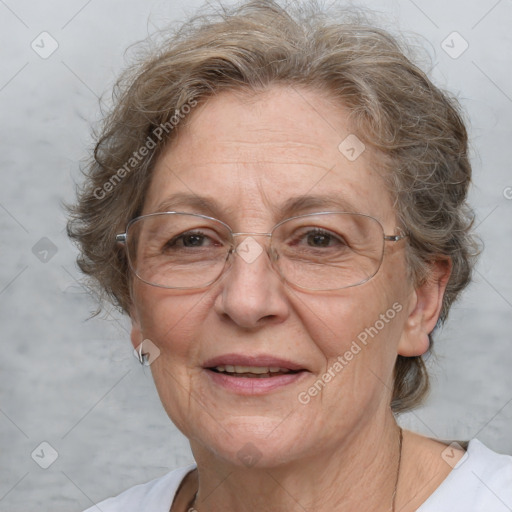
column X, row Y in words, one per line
column 253, row 375
column 252, row 372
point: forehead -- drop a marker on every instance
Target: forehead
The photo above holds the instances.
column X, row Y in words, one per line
column 276, row 153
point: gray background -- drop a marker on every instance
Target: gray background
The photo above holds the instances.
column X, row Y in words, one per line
column 74, row 383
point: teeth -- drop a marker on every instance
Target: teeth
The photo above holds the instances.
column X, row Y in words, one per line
column 251, row 369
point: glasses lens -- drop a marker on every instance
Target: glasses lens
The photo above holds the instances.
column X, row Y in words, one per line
column 329, row 251
column 176, row 250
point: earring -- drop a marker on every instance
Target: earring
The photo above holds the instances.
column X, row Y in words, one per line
column 143, row 358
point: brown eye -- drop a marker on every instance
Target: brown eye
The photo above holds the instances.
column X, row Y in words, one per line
column 191, row 239
column 321, row 238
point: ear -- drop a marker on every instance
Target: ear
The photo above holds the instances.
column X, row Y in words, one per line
column 424, row 309
column 136, row 332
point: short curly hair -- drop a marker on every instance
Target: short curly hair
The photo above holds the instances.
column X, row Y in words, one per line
column 394, row 108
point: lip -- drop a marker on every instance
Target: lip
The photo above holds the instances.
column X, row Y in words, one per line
column 252, row 360
column 253, row 386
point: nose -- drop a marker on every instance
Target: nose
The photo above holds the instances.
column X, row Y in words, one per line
column 252, row 293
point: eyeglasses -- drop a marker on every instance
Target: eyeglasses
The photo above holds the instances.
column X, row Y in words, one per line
column 317, row 251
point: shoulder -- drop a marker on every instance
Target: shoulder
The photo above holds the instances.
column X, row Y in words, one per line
column 154, row 496
column 481, row 481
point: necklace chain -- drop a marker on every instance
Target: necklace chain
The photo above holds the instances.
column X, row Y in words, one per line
column 191, row 505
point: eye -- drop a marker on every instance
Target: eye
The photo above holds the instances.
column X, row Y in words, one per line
column 321, row 238
column 191, row 239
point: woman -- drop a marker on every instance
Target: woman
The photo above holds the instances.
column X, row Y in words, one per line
column 278, row 202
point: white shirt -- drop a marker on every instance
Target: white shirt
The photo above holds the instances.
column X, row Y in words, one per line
column 480, row 482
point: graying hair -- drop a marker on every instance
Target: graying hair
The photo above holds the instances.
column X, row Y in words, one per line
column 394, row 109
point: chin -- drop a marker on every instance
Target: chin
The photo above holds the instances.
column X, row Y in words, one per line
column 258, row 443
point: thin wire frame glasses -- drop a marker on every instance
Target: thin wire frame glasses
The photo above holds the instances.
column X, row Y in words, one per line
column 317, row 251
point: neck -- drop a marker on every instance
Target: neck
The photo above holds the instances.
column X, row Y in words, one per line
column 361, row 472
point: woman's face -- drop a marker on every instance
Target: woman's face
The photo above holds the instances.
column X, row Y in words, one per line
column 248, row 156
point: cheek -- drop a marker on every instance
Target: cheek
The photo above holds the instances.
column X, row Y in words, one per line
column 334, row 322
column 357, row 331
column 171, row 321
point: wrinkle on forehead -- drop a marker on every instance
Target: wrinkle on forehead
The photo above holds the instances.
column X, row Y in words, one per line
column 253, row 156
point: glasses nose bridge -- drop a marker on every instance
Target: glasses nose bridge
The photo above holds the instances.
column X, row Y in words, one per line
column 245, row 235
column 269, row 249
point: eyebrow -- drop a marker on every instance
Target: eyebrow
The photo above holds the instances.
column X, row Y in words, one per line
column 299, row 204
column 292, row 206
column 202, row 204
